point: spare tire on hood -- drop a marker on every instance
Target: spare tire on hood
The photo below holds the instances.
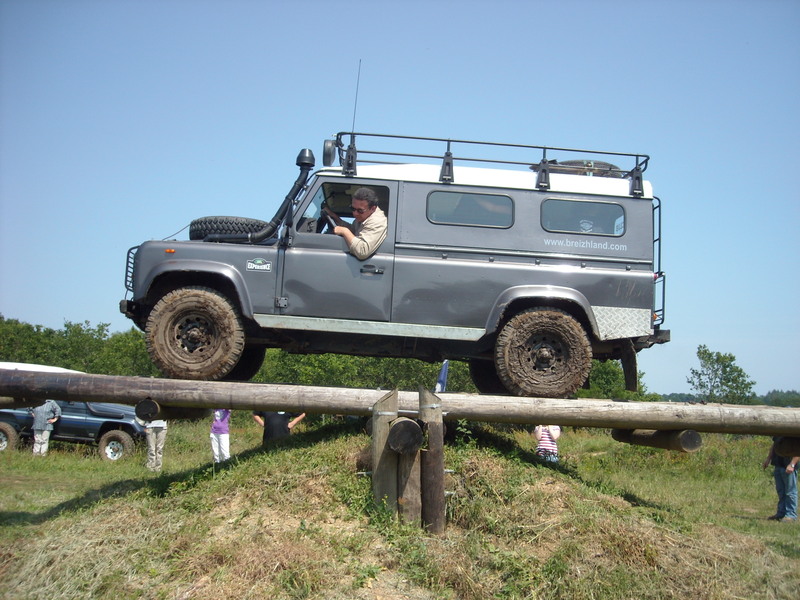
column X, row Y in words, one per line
column 204, row 226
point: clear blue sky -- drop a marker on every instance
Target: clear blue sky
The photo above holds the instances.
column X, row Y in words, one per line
column 121, row 121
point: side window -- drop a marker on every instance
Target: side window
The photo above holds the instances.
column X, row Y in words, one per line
column 338, row 197
column 574, row 216
column 474, row 210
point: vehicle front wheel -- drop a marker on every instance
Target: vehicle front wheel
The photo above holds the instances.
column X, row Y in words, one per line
column 9, row 438
column 115, row 445
column 195, row 333
column 543, row 352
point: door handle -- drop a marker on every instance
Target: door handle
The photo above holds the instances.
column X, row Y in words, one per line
column 372, row 270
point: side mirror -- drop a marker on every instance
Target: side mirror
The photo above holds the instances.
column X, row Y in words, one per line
column 328, row 152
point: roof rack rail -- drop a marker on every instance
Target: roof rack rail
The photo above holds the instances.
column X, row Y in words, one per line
column 395, row 151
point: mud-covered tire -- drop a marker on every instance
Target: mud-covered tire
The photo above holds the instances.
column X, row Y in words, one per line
column 204, row 226
column 115, row 445
column 484, row 376
column 543, row 352
column 248, row 365
column 9, row 438
column 195, row 333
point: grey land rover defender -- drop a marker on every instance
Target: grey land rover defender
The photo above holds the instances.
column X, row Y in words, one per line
column 525, row 261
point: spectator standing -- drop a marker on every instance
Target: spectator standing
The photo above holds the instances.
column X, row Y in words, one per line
column 44, row 416
column 784, row 471
column 220, row 435
column 277, row 425
column 546, row 437
column 156, row 433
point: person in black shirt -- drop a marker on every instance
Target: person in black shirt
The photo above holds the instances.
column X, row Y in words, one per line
column 277, row 425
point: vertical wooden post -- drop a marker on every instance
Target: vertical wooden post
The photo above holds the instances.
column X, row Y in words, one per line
column 433, row 499
column 384, row 459
column 406, row 438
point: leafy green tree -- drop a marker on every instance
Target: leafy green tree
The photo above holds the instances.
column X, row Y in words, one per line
column 79, row 346
column 607, row 380
column 720, row 379
column 359, row 372
column 22, row 342
column 781, row 398
column 125, row 353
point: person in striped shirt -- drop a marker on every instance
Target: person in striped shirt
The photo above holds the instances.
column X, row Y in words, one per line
column 546, row 447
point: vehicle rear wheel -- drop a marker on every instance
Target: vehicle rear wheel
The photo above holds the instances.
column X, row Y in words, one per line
column 195, row 333
column 484, row 376
column 9, row 438
column 248, row 365
column 543, row 352
column 115, row 445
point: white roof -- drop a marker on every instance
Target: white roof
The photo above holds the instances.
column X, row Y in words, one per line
column 503, row 178
column 31, row 367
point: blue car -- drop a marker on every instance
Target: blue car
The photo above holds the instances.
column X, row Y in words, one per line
column 113, row 427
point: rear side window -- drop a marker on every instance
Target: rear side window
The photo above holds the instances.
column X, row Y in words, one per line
column 472, row 210
column 573, row 216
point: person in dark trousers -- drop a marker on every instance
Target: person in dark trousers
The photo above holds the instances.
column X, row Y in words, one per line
column 277, row 425
column 785, row 483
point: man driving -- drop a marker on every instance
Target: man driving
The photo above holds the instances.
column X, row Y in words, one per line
column 368, row 229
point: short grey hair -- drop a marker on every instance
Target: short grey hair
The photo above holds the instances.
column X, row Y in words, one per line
column 366, row 194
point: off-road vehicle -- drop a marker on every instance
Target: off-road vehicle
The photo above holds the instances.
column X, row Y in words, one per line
column 525, row 261
column 113, row 427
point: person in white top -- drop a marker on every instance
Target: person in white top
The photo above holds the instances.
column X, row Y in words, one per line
column 156, row 433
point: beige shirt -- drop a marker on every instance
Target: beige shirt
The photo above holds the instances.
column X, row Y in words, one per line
column 369, row 235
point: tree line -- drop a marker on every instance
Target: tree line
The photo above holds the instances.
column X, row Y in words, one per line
column 94, row 349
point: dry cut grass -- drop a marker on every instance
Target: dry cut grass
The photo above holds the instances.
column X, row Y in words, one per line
column 297, row 522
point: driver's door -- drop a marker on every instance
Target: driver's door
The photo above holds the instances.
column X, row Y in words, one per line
column 320, row 277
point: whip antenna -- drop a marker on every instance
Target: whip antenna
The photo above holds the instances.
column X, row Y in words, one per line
column 355, row 103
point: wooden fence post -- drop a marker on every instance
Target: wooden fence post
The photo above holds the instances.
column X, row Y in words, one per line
column 384, row 459
column 406, row 438
column 433, row 498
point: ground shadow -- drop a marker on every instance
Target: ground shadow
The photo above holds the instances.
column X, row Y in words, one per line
column 159, row 484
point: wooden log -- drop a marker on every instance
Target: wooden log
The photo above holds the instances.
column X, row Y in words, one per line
column 717, row 418
column 433, row 498
column 150, row 410
column 405, row 436
column 8, row 402
column 788, row 446
column 686, row 440
column 409, row 490
column 384, row 459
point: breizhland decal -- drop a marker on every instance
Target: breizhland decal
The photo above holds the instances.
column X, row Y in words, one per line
column 259, row 264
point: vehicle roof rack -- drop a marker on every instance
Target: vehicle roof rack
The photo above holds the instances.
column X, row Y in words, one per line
column 398, row 149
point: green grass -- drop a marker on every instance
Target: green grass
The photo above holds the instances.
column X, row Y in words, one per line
column 295, row 521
